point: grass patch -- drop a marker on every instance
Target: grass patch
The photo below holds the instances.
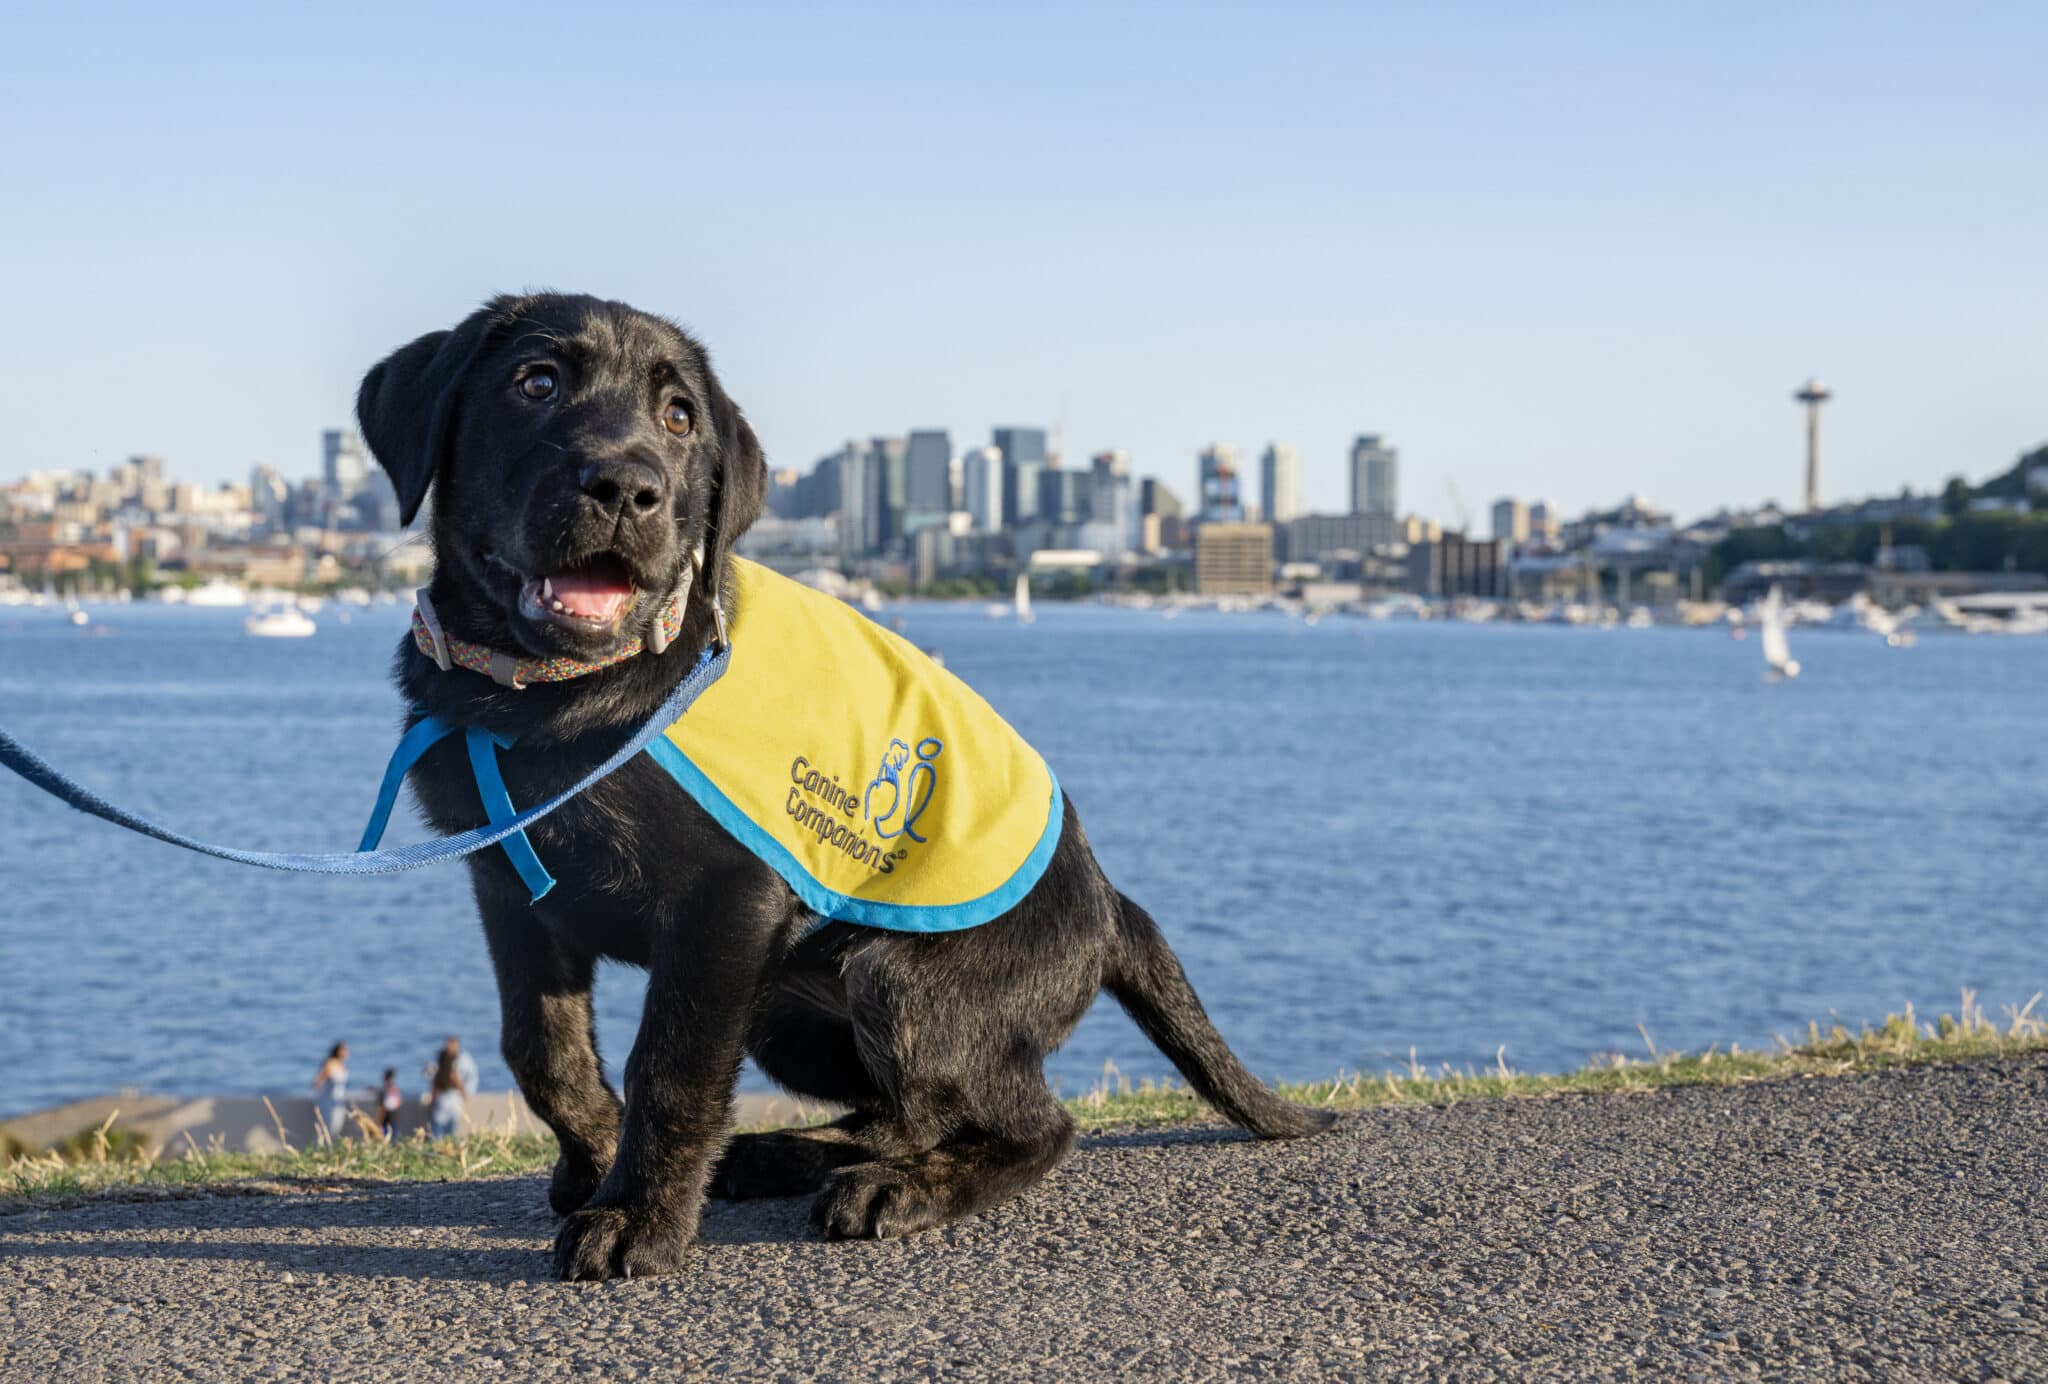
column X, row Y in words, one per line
column 101, row 1163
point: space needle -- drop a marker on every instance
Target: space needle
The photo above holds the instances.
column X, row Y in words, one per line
column 1813, row 394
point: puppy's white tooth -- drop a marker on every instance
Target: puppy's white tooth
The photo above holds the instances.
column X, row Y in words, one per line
column 547, row 588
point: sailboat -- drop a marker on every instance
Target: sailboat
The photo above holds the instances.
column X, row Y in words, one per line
column 1022, row 601
column 1777, row 653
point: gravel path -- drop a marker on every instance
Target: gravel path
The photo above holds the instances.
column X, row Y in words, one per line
column 1883, row 1226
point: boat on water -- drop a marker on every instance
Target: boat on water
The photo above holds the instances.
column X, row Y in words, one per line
column 288, row 623
column 1020, row 600
column 217, row 593
column 1777, row 651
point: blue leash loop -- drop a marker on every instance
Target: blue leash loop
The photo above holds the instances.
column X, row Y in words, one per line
column 505, row 824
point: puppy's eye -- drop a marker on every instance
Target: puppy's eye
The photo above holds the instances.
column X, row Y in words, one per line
column 676, row 417
column 538, row 384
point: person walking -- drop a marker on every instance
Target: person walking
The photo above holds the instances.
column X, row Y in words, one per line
column 330, row 1091
column 389, row 1099
column 454, row 1078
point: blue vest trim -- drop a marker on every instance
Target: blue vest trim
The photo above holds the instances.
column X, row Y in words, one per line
column 892, row 917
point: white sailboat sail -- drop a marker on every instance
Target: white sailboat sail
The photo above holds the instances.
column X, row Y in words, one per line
column 1777, row 652
column 1022, row 601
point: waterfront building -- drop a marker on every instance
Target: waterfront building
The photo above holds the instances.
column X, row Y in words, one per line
column 1510, row 521
column 1374, row 487
column 1023, row 453
column 1324, row 537
column 1220, row 500
column 1233, row 559
column 1546, row 526
column 1450, row 564
column 1279, row 483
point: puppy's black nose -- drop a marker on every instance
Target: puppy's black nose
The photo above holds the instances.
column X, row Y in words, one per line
column 618, row 484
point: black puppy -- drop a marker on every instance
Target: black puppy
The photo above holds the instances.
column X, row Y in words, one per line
column 578, row 444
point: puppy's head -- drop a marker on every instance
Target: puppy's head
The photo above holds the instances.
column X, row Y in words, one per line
column 580, row 453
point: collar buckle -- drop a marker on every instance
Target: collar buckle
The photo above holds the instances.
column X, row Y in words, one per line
column 432, row 624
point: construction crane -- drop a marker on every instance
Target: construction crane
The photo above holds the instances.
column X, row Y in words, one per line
column 1464, row 515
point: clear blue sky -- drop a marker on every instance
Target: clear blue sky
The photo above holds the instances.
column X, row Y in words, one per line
column 1563, row 250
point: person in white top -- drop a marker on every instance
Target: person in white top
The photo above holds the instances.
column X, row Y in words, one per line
column 453, row 1078
column 330, row 1090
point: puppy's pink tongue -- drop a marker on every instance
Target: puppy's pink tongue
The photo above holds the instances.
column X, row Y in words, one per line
column 592, row 594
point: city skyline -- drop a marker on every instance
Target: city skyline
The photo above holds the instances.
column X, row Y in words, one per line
column 1585, row 251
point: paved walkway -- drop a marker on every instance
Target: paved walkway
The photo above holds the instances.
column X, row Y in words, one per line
column 1883, row 1226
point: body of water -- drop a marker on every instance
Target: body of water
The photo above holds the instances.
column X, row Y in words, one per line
column 1362, row 838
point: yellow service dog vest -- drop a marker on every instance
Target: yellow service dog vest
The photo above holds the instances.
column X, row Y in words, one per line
column 880, row 786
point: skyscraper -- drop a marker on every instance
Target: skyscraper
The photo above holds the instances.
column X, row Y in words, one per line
column 1159, row 516
column 981, row 488
column 343, row 463
column 889, row 484
column 1221, row 503
column 1109, row 500
column 1023, row 452
column 1373, row 476
column 1279, row 483
column 1511, row 521
column 1064, row 496
column 856, row 496
column 268, row 496
column 927, row 478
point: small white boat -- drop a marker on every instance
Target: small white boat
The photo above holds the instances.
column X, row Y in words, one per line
column 1777, row 652
column 289, row 623
column 1020, row 601
column 217, row 593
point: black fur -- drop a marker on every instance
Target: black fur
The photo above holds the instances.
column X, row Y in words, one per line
column 935, row 1043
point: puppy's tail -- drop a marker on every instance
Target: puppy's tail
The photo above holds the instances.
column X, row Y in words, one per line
column 1148, row 982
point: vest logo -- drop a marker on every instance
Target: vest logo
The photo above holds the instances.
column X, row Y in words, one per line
column 891, row 804
column 904, row 788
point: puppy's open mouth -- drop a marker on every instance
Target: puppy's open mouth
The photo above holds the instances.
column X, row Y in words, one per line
column 592, row 596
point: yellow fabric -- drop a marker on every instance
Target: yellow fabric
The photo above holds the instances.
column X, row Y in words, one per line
column 893, row 790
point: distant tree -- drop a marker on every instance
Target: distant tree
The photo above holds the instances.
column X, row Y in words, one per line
column 1955, row 497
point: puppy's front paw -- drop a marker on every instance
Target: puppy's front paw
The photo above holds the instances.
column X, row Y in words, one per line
column 600, row 1242
column 875, row 1201
column 574, row 1183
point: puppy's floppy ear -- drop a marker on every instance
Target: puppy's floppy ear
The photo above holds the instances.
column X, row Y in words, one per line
column 406, row 406
column 739, row 489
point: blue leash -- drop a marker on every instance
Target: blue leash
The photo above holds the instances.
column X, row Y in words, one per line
column 506, row 825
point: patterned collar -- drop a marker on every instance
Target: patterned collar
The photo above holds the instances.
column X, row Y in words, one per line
column 508, row 670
